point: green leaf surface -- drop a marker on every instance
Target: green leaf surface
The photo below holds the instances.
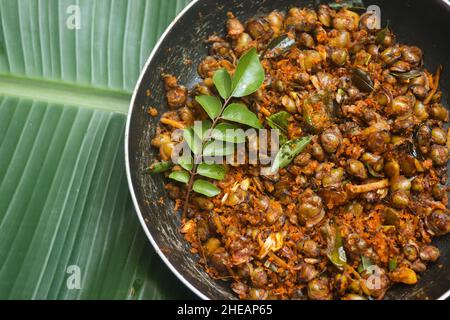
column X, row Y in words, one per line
column 381, row 35
column 238, row 112
column 361, row 79
column 180, row 176
column 222, row 81
column 407, row 75
column 249, row 75
column 366, row 263
column 201, row 128
column 213, row 171
column 159, row 167
column 228, row 132
column 64, row 199
column 278, row 46
column 186, row 162
column 335, row 249
column 392, row 264
column 348, row 4
column 288, row 152
column 279, row 121
column 218, row 148
column 206, row 188
column 211, row 104
column 192, row 140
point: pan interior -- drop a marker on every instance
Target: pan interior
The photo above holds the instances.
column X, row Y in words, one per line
column 423, row 23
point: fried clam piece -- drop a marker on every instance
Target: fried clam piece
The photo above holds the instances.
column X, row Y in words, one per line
column 317, row 112
column 309, row 247
column 234, row 27
column 429, row 253
column 301, row 19
column 346, row 20
column 275, row 20
column 220, row 261
column 404, row 275
column 438, row 222
column 207, row 67
column 310, row 209
column 165, row 145
column 356, row 169
column 325, row 15
column 319, row 289
column 331, row 139
column 355, row 245
column 259, row 29
column 176, row 95
column 376, row 282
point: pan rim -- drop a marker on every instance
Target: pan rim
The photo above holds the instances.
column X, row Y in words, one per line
column 131, row 108
column 127, row 156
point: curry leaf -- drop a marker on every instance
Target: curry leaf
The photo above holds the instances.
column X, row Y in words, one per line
column 335, row 248
column 278, row 46
column 201, row 128
column 249, row 75
column 282, row 138
column 407, row 75
column 348, row 4
column 211, row 105
column 366, row 263
column 192, row 140
column 338, row 256
column 218, row 148
column 279, row 121
column 381, row 35
column 288, row 152
column 222, row 81
column 206, row 188
column 238, row 112
column 213, row 171
column 392, row 264
column 186, row 162
column 228, row 132
column 159, row 167
column 362, row 80
column 180, row 176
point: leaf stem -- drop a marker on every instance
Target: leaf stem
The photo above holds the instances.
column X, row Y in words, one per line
column 193, row 172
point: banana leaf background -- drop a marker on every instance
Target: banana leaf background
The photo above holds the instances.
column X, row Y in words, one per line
column 65, row 87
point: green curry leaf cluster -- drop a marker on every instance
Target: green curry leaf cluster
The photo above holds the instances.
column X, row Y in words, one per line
column 217, row 136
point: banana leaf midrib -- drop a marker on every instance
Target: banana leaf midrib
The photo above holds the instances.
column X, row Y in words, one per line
column 65, row 93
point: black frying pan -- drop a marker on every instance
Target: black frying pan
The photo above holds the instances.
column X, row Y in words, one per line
column 425, row 23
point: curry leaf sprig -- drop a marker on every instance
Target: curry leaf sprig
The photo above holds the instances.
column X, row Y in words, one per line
column 216, row 137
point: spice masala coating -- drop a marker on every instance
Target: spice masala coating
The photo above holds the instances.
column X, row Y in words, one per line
column 368, row 192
